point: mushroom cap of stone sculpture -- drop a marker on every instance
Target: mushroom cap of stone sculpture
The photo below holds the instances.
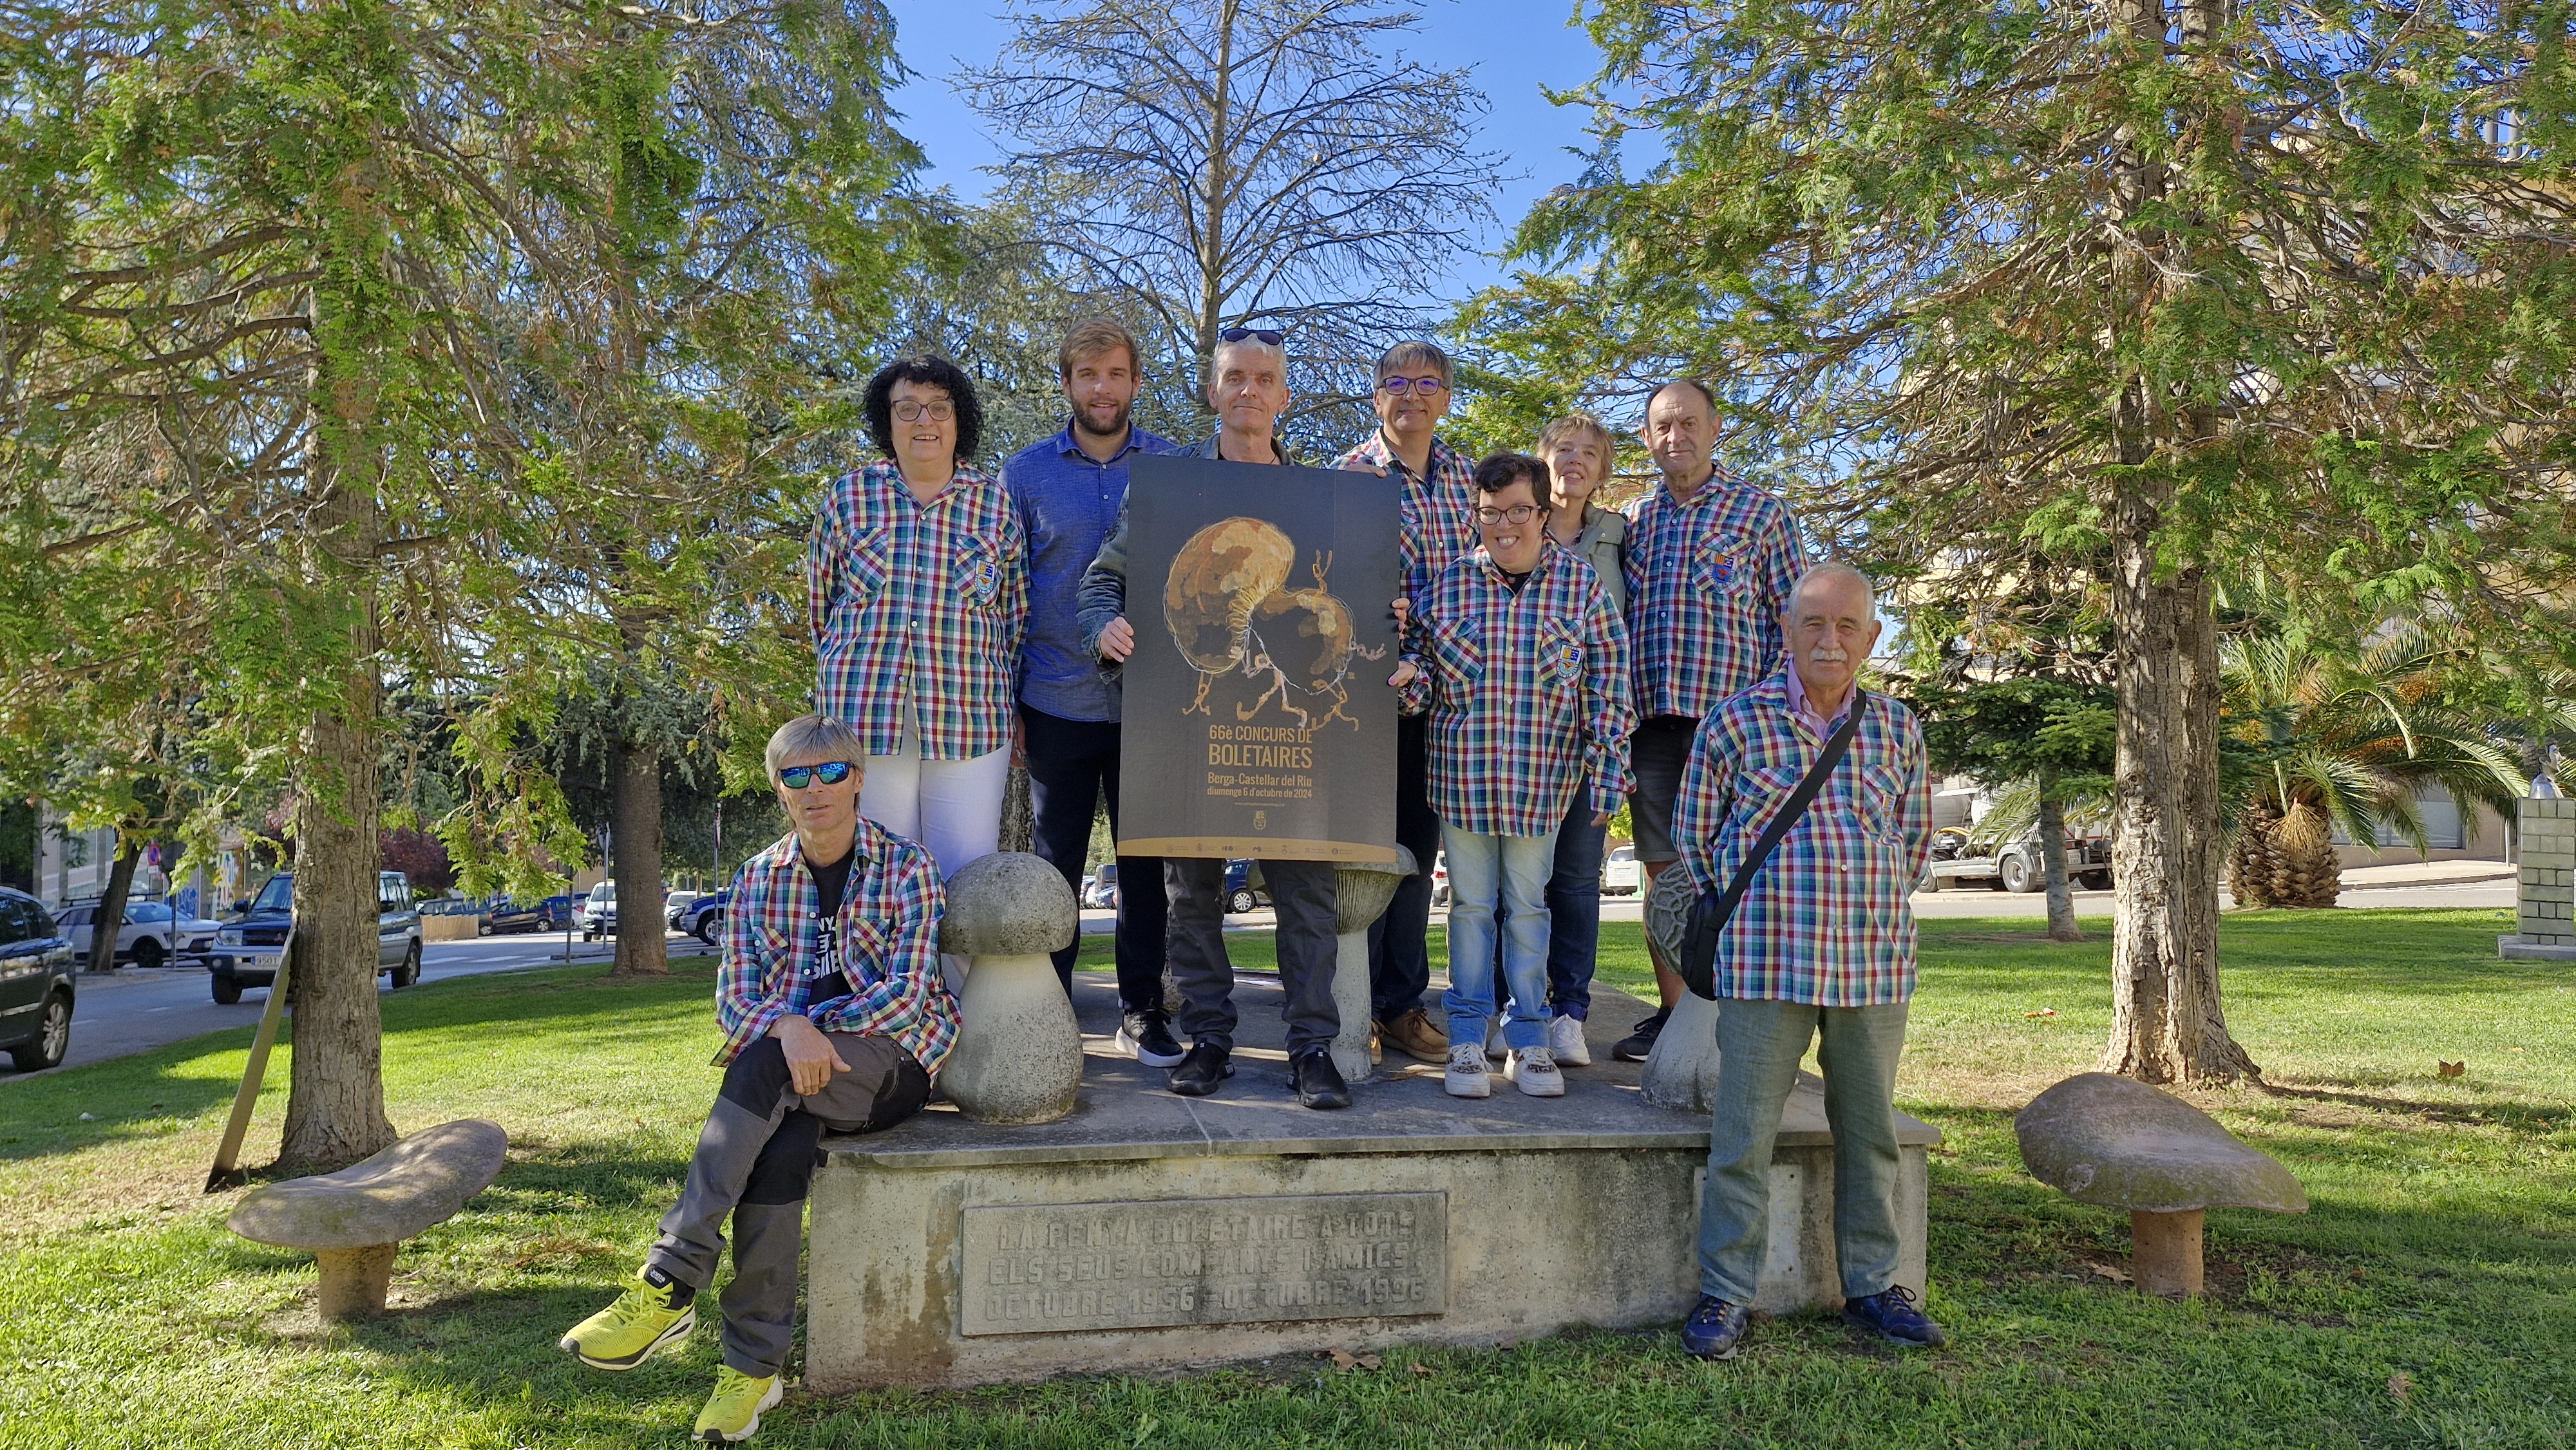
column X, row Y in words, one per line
column 1361, row 893
column 415, row 1184
column 1008, row 904
column 2108, row 1140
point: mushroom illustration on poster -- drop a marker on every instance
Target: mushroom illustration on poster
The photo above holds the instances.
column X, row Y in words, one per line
column 1258, row 721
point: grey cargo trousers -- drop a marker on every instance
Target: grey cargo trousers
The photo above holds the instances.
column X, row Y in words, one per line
column 754, row 1161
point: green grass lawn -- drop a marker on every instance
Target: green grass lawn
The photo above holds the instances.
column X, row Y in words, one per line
column 2429, row 1298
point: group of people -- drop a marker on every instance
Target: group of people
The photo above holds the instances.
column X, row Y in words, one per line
column 1556, row 659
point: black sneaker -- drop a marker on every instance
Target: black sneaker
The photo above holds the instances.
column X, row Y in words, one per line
column 1318, row 1083
column 1715, row 1329
column 1148, row 1037
column 1890, row 1314
column 1201, row 1070
column 1637, row 1046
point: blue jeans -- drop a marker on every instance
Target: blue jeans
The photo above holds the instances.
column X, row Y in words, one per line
column 1759, row 1044
column 1486, row 872
column 1574, row 908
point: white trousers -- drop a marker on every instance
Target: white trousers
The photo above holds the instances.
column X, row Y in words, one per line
column 952, row 807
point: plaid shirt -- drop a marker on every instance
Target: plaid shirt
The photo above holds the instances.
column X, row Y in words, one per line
column 1528, row 694
column 887, row 937
column 1706, row 583
column 1829, row 918
column 917, row 611
column 1435, row 516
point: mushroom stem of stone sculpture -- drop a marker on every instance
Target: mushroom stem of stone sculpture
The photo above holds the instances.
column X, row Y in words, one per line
column 1361, row 895
column 2107, row 1140
column 1681, row 1073
column 351, row 1220
column 2164, row 1252
column 1018, row 1057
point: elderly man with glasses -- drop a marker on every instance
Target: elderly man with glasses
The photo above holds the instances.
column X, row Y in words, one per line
column 1248, row 388
column 1435, row 487
column 835, row 1015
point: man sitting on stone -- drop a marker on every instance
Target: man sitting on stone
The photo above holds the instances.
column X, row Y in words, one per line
column 1822, row 944
column 1248, row 388
column 835, row 1016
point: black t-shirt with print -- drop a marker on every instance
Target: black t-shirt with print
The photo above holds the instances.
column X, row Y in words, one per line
column 831, row 883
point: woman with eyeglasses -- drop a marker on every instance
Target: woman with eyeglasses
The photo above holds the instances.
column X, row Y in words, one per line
column 917, row 590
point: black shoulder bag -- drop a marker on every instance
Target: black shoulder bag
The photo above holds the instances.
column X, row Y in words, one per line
column 1714, row 909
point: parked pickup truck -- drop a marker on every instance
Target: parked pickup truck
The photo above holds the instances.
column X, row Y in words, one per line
column 2017, row 865
column 247, row 949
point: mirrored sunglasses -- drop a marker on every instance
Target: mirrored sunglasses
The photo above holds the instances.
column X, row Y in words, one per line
column 797, row 777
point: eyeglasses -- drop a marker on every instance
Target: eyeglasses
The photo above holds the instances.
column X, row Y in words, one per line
column 1266, row 336
column 910, row 412
column 1402, row 386
column 1518, row 513
column 797, row 777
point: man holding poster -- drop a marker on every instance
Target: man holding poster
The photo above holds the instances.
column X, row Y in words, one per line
column 1250, row 728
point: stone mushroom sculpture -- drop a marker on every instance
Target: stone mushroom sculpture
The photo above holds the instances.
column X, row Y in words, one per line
column 351, row 1220
column 1018, row 1057
column 1362, row 894
column 1681, row 1073
column 2108, row 1140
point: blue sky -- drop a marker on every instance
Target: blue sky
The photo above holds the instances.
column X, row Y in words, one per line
column 1514, row 47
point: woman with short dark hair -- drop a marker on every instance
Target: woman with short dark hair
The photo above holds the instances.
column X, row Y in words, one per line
column 917, row 589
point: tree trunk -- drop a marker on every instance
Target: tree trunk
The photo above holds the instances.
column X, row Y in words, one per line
column 2052, row 855
column 1019, row 813
column 2166, row 1023
column 109, row 922
column 635, row 774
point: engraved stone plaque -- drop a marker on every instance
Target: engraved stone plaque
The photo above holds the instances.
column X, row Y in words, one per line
column 1056, row 1267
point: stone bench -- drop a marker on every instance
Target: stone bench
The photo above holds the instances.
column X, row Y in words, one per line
column 352, row 1220
column 2109, row 1140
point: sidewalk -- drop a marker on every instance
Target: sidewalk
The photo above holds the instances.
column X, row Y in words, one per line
column 2427, row 873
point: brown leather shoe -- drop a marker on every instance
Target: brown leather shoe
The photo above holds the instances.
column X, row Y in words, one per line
column 1416, row 1036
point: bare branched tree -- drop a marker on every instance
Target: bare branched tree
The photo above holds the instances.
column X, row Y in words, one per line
column 1243, row 162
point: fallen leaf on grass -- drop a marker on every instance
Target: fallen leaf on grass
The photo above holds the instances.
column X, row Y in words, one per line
column 2042, row 1012
column 2398, row 1384
column 1419, row 1368
column 2117, row 1276
column 1344, row 1361
column 2451, row 1069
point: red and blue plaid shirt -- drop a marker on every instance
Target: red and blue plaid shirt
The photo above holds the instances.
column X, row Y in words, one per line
column 1528, row 694
column 1707, row 580
column 1829, row 920
column 917, row 611
column 1436, row 516
column 885, row 942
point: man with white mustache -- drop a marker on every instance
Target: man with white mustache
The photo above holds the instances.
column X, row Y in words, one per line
column 1821, row 944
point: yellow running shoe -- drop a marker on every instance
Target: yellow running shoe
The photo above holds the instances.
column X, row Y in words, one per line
column 733, row 1411
column 641, row 1324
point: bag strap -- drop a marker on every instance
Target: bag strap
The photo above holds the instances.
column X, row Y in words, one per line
column 1709, row 916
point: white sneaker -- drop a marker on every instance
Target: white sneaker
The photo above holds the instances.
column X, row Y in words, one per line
column 1534, row 1072
column 1466, row 1077
column 1495, row 1047
column 1565, row 1042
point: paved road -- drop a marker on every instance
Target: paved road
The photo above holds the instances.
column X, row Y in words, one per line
column 135, row 1010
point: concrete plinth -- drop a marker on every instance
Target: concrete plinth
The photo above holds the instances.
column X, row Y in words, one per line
column 1146, row 1230
column 2545, row 901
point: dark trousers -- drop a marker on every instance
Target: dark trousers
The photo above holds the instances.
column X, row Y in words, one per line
column 1304, row 893
column 754, row 1161
column 1073, row 766
column 1574, row 908
column 1399, row 949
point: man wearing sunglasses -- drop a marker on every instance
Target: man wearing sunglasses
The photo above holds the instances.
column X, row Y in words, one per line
column 1435, row 499
column 1248, row 388
column 835, row 1015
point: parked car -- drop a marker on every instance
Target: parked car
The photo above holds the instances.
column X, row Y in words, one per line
column 459, row 906
column 509, row 916
column 1440, row 879
column 152, row 936
column 1100, row 888
column 37, row 965
column 247, row 949
column 704, row 917
column 1620, row 874
column 1245, row 889
column 2016, row 866
column 673, row 904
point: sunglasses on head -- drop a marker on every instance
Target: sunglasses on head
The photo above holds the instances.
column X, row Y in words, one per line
column 1266, row 336
column 797, row 777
